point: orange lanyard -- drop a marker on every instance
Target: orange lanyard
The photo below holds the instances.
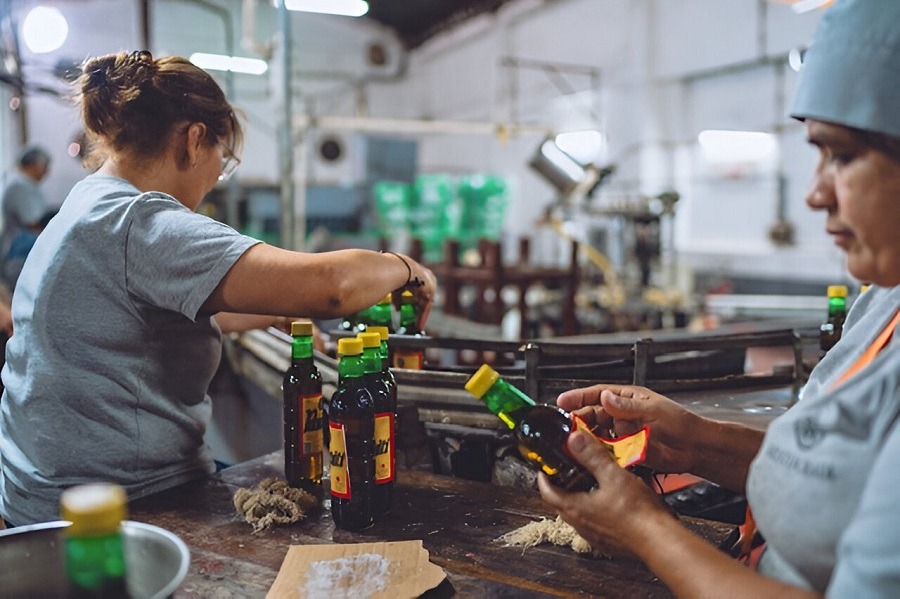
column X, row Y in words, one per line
column 866, row 358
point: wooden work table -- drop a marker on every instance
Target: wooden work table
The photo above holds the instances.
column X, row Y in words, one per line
column 457, row 521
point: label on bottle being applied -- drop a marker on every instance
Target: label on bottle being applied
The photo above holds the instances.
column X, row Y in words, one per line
column 312, row 418
column 384, row 448
column 340, row 469
column 412, row 360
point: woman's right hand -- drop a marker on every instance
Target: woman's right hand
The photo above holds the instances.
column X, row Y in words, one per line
column 621, row 410
column 423, row 285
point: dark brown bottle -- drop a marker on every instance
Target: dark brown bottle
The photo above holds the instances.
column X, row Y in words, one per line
column 304, row 416
column 385, row 422
column 352, row 446
column 830, row 331
column 540, row 430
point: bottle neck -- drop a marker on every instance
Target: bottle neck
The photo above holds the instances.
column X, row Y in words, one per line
column 504, row 400
column 371, row 360
column 837, row 306
column 408, row 316
column 301, row 348
column 385, row 356
column 351, row 367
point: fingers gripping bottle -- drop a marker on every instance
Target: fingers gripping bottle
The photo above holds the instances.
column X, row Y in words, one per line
column 304, row 416
column 385, row 422
column 412, row 359
column 540, row 430
column 95, row 560
column 352, row 446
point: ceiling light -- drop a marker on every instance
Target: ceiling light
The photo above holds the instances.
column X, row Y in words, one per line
column 807, row 5
column 235, row 64
column 44, row 29
column 347, row 8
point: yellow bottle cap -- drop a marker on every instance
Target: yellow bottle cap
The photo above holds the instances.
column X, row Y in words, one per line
column 94, row 510
column 301, row 328
column 482, row 380
column 369, row 339
column 382, row 331
column 837, row 291
column 406, row 296
column 385, row 300
column 349, row 347
column 864, row 288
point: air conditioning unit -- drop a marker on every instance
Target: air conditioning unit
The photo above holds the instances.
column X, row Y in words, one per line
column 337, row 159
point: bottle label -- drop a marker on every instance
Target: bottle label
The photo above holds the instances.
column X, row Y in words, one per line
column 340, row 469
column 312, row 419
column 411, row 360
column 384, row 447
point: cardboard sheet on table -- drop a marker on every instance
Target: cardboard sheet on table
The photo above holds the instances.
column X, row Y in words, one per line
column 409, row 573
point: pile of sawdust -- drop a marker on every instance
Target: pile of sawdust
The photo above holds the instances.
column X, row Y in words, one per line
column 273, row 502
column 557, row 532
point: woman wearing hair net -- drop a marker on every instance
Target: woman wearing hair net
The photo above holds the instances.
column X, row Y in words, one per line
column 822, row 482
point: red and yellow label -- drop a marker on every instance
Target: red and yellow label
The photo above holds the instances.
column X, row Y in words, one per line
column 312, row 418
column 626, row 451
column 384, row 447
column 408, row 360
column 340, row 469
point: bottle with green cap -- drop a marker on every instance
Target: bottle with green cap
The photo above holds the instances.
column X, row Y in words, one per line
column 830, row 330
column 95, row 560
column 409, row 358
column 385, row 422
column 381, row 314
column 351, row 423
column 304, row 416
column 540, row 430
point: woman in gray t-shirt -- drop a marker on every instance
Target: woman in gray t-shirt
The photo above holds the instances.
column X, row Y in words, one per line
column 115, row 341
column 823, row 482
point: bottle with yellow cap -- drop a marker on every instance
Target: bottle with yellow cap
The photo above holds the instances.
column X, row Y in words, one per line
column 351, row 423
column 304, row 416
column 410, row 358
column 95, row 560
column 830, row 331
column 540, row 430
column 385, row 421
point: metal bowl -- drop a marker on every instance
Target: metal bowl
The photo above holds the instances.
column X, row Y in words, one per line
column 32, row 560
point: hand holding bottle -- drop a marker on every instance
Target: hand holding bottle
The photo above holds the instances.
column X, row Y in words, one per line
column 618, row 509
column 423, row 285
column 615, row 410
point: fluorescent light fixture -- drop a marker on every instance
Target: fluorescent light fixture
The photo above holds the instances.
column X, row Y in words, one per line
column 235, row 64
column 346, row 8
column 584, row 146
column 44, row 29
column 807, row 5
column 730, row 147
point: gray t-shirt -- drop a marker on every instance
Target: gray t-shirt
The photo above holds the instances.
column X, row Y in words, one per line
column 823, row 488
column 107, row 373
column 22, row 204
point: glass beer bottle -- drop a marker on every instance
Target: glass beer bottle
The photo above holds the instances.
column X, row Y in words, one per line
column 385, row 422
column 304, row 416
column 351, row 423
column 95, row 558
column 412, row 359
column 540, row 430
column 830, row 331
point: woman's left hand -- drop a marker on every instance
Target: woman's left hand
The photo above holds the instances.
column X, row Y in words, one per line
column 610, row 512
